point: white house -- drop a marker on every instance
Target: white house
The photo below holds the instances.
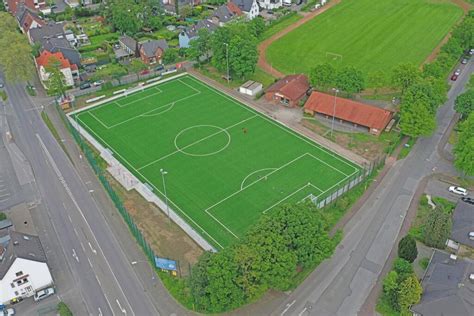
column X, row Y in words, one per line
column 270, row 4
column 23, row 267
column 248, row 7
column 70, row 71
column 251, row 88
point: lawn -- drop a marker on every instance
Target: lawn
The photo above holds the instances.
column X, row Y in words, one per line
column 226, row 164
column 371, row 35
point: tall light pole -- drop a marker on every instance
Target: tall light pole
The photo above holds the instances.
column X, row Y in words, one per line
column 334, row 110
column 147, row 263
column 163, row 173
column 227, row 58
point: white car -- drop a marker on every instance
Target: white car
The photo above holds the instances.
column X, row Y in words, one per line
column 458, row 190
column 43, row 294
column 471, row 235
column 457, row 72
column 9, row 312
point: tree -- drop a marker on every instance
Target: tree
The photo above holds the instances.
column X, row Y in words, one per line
column 390, row 288
column 350, row 80
column 136, row 66
column 464, row 148
column 437, row 228
column 3, row 216
column 256, row 26
column 16, row 61
column 243, row 56
column 55, row 82
column 125, row 15
column 201, row 46
column 404, row 75
column 416, row 119
column 429, row 90
column 220, row 38
column 409, row 293
column 170, row 56
column 323, row 76
column 403, row 268
column 464, row 103
column 407, row 248
column 464, row 32
column 376, row 80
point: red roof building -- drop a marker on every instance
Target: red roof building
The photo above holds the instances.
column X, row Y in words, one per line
column 70, row 71
column 32, row 4
column 360, row 114
column 288, row 91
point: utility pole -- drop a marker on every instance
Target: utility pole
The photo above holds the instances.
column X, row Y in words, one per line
column 163, row 173
column 334, row 110
column 227, row 58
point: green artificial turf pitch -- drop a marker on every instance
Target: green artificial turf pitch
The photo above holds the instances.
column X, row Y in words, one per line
column 226, row 164
column 371, row 35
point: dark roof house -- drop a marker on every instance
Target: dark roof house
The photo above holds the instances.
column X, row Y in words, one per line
column 225, row 13
column 50, row 30
column 463, row 224
column 374, row 118
column 129, row 45
column 191, row 33
column 289, row 90
column 62, row 45
column 152, row 51
column 21, row 246
column 448, row 287
column 27, row 18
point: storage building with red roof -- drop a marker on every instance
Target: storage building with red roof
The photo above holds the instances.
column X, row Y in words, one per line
column 359, row 114
column 288, row 91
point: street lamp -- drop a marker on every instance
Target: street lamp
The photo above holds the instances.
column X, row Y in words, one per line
column 163, row 173
column 334, row 110
column 146, row 262
column 227, row 58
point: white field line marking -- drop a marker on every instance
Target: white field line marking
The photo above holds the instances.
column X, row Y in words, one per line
column 97, row 119
column 196, row 142
column 171, row 105
column 151, row 184
column 252, row 173
column 150, row 111
column 139, row 99
column 190, row 86
column 286, row 129
column 256, row 181
column 291, row 194
column 330, row 166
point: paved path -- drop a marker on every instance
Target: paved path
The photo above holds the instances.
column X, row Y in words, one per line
column 262, row 48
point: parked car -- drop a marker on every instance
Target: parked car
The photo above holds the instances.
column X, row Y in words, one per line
column 464, row 61
column 457, row 72
column 457, row 190
column 145, row 72
column 471, row 235
column 85, row 85
column 468, row 200
column 42, row 294
column 9, row 312
column 159, row 68
column 98, row 83
column 1, row 85
column 471, row 51
column 454, row 77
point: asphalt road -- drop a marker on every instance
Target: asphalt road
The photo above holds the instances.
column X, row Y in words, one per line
column 100, row 275
column 341, row 285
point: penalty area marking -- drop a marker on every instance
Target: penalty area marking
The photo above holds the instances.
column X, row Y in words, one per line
column 252, row 173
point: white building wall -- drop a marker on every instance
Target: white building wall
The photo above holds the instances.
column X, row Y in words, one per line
column 36, row 273
column 270, row 4
column 254, row 11
column 68, row 80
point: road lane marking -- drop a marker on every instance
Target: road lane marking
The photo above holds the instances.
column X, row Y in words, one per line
column 75, row 255
column 92, row 249
column 120, row 306
column 287, row 307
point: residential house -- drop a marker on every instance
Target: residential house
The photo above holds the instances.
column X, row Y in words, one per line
column 12, row 6
column 357, row 114
column 249, row 7
column 270, row 4
column 191, row 33
column 62, row 45
column 225, row 13
column 128, row 47
column 50, row 30
column 448, row 287
column 152, row 51
column 28, row 18
column 70, row 71
column 462, row 232
column 169, row 6
column 23, row 266
column 288, row 91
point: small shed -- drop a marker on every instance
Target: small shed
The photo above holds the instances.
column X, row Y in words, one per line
column 251, row 88
column 288, row 91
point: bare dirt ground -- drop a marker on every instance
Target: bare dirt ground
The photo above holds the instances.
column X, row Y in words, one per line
column 262, row 48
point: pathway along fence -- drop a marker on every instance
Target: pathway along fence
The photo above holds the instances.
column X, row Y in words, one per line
column 100, row 172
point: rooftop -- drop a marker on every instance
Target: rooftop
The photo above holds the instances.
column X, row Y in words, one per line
column 292, row 86
column 463, row 223
column 349, row 110
column 150, row 47
column 447, row 289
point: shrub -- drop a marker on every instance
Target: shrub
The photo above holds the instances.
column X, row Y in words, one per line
column 407, row 248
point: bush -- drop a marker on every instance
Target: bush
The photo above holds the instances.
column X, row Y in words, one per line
column 3, row 216
column 63, row 309
column 407, row 248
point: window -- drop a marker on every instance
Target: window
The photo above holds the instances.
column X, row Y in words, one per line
column 19, row 273
column 16, row 293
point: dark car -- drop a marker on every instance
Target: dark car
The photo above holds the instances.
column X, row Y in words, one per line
column 159, row 68
column 85, row 85
column 468, row 200
column 454, row 77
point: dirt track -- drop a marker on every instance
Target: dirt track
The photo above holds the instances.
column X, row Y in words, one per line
column 262, row 48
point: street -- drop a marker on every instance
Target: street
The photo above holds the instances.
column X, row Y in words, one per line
column 340, row 285
column 90, row 268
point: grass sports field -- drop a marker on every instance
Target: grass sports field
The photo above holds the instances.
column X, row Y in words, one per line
column 371, row 35
column 226, row 164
